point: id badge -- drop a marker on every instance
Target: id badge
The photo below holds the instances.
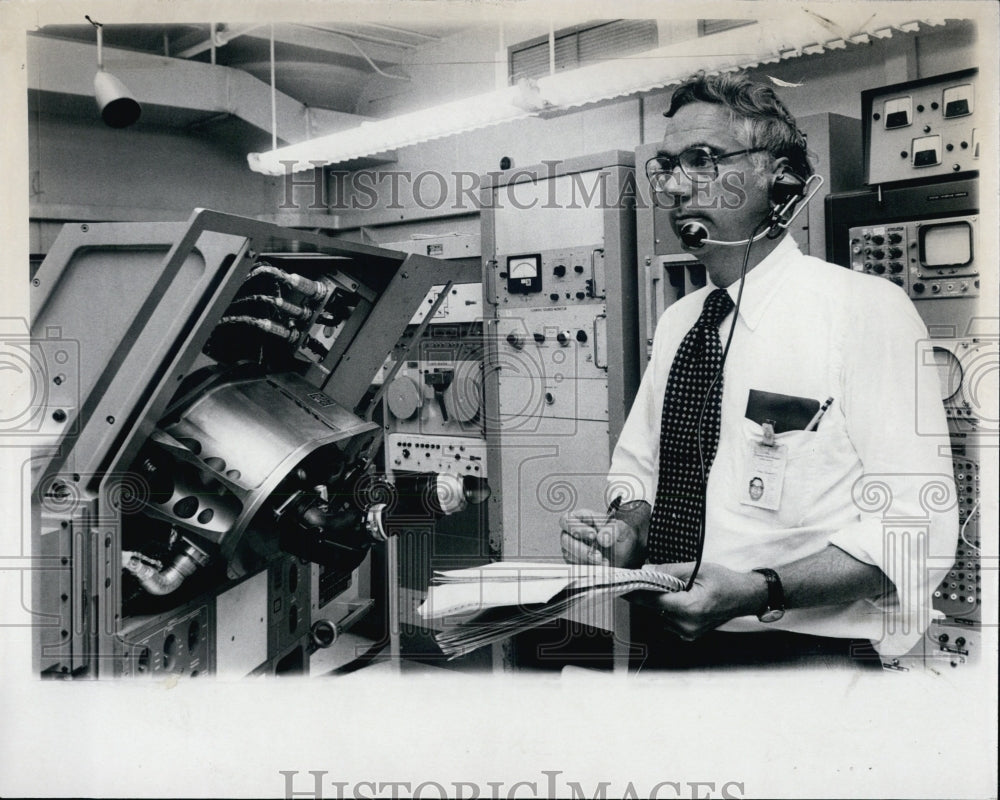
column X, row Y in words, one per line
column 764, row 476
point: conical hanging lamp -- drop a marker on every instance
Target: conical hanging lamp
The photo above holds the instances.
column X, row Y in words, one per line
column 117, row 106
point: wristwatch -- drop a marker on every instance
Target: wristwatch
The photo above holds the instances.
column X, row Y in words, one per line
column 775, row 597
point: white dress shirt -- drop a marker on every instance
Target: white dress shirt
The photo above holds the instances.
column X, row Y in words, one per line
column 875, row 477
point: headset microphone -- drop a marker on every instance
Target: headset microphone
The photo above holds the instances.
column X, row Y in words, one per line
column 694, row 235
column 787, row 192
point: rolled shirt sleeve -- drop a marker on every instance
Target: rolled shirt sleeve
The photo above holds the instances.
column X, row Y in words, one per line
column 908, row 507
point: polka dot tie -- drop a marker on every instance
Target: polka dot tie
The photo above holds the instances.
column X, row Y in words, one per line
column 673, row 529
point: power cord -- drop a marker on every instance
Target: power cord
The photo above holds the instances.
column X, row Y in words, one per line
column 766, row 221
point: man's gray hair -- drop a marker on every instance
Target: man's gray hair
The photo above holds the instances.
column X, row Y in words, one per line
column 759, row 116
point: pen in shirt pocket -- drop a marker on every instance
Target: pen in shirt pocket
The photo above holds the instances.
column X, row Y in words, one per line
column 814, row 422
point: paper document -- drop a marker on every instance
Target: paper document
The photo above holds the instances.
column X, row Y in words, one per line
column 498, row 600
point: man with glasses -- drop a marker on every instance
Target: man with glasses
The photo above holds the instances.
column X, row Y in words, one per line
column 790, row 376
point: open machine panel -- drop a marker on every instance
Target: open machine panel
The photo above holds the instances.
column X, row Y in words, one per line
column 203, row 490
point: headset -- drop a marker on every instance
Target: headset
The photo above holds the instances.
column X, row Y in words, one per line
column 786, row 191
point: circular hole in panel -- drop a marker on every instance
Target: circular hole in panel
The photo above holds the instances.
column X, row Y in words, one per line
column 186, row 507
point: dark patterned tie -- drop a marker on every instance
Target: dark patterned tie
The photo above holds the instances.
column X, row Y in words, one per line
column 673, row 529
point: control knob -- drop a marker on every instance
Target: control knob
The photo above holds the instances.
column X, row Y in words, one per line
column 515, row 341
column 559, row 270
column 895, row 238
column 918, row 288
column 879, row 268
column 878, row 238
column 895, row 266
column 895, row 252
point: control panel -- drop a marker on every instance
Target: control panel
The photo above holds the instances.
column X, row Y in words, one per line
column 550, row 278
column 922, row 129
column 960, row 594
column 929, row 259
column 560, row 293
column 452, row 455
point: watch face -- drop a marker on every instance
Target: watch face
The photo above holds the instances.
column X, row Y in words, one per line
column 772, row 615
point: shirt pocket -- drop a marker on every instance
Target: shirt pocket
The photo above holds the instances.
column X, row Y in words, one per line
column 808, row 454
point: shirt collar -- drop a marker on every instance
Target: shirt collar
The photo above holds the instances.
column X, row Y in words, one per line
column 764, row 281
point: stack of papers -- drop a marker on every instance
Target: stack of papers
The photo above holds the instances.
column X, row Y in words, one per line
column 497, row 601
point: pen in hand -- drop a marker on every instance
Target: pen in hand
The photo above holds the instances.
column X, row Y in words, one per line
column 613, row 508
column 595, row 553
column 814, row 422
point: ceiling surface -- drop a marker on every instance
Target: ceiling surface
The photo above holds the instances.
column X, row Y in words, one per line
column 320, row 65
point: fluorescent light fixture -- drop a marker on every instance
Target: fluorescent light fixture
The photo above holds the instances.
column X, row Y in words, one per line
column 767, row 42
column 380, row 136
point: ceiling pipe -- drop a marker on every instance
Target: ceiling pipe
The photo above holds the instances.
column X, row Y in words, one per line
column 392, row 29
column 216, row 39
column 371, row 63
column 363, row 37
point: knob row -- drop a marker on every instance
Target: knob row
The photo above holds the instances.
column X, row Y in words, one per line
column 517, row 341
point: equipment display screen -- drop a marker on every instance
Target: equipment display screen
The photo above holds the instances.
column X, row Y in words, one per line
column 946, row 245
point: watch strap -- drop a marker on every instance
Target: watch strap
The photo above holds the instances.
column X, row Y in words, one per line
column 775, row 596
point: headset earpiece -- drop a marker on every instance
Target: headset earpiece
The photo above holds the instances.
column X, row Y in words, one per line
column 785, row 186
column 785, row 192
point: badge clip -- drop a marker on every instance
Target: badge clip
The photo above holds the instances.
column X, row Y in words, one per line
column 768, row 427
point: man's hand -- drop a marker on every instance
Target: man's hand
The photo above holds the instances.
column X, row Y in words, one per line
column 717, row 596
column 587, row 538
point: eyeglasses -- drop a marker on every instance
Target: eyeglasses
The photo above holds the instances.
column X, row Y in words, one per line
column 697, row 164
